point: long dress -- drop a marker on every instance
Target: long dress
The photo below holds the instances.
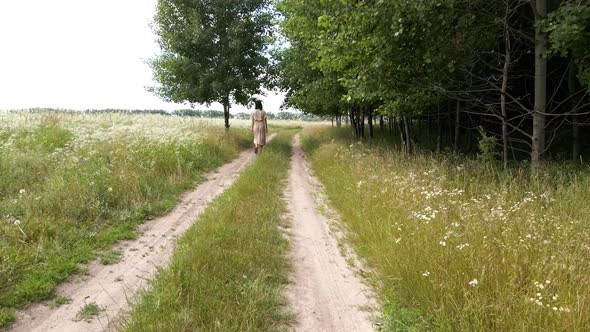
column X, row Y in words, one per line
column 258, row 118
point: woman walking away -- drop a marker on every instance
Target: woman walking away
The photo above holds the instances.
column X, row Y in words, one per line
column 259, row 127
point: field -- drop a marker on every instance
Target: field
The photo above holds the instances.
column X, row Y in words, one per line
column 72, row 185
column 450, row 242
column 455, row 244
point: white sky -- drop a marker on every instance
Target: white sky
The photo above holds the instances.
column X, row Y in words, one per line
column 80, row 54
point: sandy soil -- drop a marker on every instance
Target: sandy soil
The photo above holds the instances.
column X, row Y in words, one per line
column 325, row 293
column 112, row 286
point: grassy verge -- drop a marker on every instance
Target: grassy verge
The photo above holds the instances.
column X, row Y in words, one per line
column 229, row 269
column 457, row 246
column 72, row 185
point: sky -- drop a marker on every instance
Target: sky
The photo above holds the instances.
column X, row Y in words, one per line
column 81, row 54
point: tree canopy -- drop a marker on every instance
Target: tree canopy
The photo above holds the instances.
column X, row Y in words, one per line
column 470, row 66
column 212, row 50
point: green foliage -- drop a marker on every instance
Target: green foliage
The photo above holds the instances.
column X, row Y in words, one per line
column 229, row 270
column 488, row 147
column 212, row 50
column 390, row 55
column 88, row 311
column 569, row 33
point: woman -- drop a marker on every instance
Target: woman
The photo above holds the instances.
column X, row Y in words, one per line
column 259, row 127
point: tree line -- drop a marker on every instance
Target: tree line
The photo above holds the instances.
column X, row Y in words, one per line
column 450, row 73
column 461, row 70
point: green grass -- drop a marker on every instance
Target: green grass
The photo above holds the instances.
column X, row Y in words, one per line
column 454, row 244
column 110, row 257
column 88, row 311
column 229, row 270
column 59, row 301
column 6, row 317
column 72, row 185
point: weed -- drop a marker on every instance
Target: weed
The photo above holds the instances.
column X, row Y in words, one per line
column 59, row 301
column 110, row 257
column 88, row 312
column 6, row 317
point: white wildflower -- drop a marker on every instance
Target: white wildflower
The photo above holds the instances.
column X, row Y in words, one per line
column 474, row 283
column 463, row 246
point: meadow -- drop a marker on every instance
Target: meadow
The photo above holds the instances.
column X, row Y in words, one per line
column 455, row 244
column 71, row 185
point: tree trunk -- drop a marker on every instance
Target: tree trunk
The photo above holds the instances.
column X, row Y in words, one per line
column 390, row 122
column 409, row 146
column 226, row 113
column 403, row 143
column 353, row 123
column 457, row 126
column 538, row 138
column 370, row 120
column 505, row 72
column 438, row 131
column 572, row 87
column 381, row 123
column 362, row 122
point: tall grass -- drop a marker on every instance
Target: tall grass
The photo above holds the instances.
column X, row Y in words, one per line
column 74, row 184
column 229, row 269
column 455, row 245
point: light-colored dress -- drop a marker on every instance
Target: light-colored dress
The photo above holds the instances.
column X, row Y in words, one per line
column 258, row 118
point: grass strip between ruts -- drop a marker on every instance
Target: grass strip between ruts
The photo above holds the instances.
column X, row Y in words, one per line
column 229, row 270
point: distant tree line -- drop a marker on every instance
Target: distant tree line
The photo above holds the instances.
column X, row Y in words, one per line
column 450, row 73
column 210, row 114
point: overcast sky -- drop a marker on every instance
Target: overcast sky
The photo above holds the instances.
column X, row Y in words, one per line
column 80, row 54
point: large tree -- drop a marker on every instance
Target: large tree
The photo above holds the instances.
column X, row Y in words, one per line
column 212, row 50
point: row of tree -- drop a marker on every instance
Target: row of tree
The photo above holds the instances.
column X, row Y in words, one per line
column 208, row 114
column 518, row 70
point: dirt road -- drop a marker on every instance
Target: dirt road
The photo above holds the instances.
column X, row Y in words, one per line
column 110, row 287
column 324, row 292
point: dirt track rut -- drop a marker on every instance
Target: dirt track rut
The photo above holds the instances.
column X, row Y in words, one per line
column 325, row 293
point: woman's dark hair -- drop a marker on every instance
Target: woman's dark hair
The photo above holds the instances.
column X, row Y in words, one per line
column 258, row 104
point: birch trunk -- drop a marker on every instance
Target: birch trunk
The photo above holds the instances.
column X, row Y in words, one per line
column 538, row 138
column 505, row 73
